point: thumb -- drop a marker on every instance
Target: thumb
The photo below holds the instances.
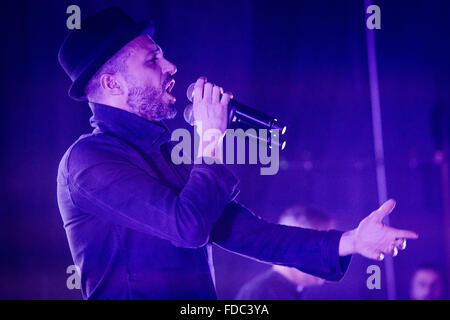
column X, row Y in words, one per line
column 384, row 210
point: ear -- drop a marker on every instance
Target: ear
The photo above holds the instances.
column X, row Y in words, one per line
column 112, row 84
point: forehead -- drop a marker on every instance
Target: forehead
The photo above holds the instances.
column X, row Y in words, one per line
column 143, row 45
column 426, row 274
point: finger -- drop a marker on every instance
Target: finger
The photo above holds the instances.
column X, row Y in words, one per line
column 384, row 210
column 376, row 255
column 226, row 97
column 395, row 252
column 216, row 94
column 403, row 246
column 207, row 92
column 398, row 233
column 198, row 89
column 400, row 243
column 392, row 250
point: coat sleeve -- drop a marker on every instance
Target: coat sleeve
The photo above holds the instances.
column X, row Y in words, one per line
column 311, row 251
column 103, row 182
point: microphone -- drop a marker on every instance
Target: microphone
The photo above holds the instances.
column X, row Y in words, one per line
column 239, row 116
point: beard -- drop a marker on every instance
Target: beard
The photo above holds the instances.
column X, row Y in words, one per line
column 146, row 101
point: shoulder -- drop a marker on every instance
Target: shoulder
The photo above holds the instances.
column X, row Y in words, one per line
column 94, row 148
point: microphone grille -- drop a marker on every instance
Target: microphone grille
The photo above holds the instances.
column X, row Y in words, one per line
column 188, row 114
column 190, row 92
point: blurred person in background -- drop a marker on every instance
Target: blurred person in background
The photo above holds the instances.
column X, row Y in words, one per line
column 285, row 283
column 427, row 283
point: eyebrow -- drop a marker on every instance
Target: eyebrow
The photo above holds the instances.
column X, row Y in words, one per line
column 155, row 51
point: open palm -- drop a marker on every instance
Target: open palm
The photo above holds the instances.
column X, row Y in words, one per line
column 373, row 239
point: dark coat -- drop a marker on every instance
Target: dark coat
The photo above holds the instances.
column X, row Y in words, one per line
column 141, row 227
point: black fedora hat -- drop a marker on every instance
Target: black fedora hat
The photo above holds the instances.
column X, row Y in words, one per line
column 101, row 36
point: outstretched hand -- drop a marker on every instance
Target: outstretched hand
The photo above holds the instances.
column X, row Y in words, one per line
column 373, row 239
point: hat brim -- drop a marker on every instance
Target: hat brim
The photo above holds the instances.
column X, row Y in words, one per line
column 76, row 90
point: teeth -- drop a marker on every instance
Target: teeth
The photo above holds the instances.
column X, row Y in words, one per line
column 170, row 85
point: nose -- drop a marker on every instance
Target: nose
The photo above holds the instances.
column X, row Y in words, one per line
column 170, row 68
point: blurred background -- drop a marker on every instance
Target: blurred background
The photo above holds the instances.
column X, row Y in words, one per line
column 305, row 62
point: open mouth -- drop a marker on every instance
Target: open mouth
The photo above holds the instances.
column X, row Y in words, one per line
column 170, row 85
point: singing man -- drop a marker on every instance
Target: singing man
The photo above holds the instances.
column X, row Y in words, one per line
column 140, row 227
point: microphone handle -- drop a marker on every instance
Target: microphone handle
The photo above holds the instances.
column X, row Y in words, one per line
column 239, row 114
column 242, row 116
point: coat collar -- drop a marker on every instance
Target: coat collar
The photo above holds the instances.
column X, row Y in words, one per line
column 129, row 126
